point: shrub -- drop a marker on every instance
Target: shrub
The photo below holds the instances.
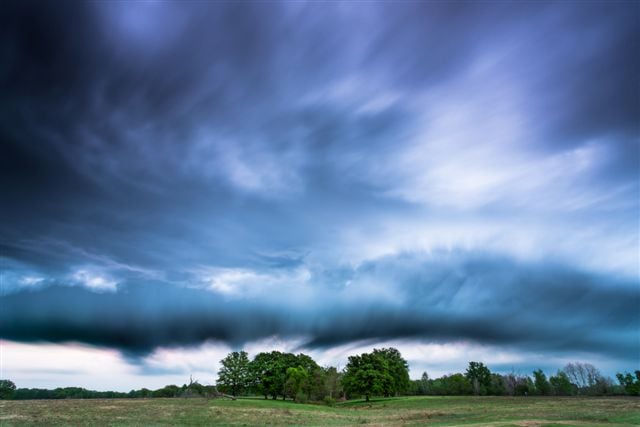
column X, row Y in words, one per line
column 7, row 389
column 301, row 397
column 329, row 401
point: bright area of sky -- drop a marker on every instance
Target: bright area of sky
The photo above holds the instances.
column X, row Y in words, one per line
column 182, row 179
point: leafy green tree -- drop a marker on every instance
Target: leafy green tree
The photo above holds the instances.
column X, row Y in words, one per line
column 630, row 384
column 233, row 376
column 541, row 383
column 7, row 389
column 397, row 370
column 332, row 382
column 479, row 376
column 422, row 385
column 265, row 373
column 454, row 385
column 525, row 386
column 561, row 385
column 497, row 387
column 143, row 392
column 365, row 375
column 296, row 383
column 268, row 372
column 602, row 387
column 314, row 387
column 382, row 372
column 167, row 391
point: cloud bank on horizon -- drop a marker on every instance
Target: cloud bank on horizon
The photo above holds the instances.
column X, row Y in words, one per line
column 329, row 173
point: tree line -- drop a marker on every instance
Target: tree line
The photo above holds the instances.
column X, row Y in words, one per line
column 575, row 379
column 382, row 372
column 8, row 390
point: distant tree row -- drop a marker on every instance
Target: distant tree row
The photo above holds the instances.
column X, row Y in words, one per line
column 383, row 372
column 8, row 390
column 574, row 379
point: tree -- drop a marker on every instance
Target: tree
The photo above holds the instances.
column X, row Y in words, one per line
column 422, row 385
column 397, row 369
column 457, row 385
column 364, row 375
column 583, row 375
column 233, row 376
column 332, row 382
column 516, row 384
column 167, row 391
column 561, row 385
column 268, row 372
column 497, row 387
column 479, row 376
column 7, row 389
column 296, row 383
column 631, row 385
column 541, row 383
column 314, row 386
column 382, row 372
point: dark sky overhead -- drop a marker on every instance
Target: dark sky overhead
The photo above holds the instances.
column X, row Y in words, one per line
column 325, row 175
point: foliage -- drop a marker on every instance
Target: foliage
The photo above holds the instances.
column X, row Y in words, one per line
column 630, row 384
column 448, row 385
column 65, row 393
column 479, row 376
column 332, row 382
column 365, row 375
column 7, row 389
column 267, row 374
column 397, row 369
column 167, row 391
column 421, row 387
column 142, row 393
column 497, row 386
column 233, row 376
column 278, row 374
column 193, row 389
column 381, row 373
column 329, row 401
column 542, row 386
column 561, row 385
column 583, row 376
column 518, row 385
column 301, row 397
column 297, row 381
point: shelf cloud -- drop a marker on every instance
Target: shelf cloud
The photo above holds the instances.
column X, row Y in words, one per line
column 326, row 173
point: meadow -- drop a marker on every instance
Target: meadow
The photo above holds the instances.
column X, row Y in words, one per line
column 437, row 411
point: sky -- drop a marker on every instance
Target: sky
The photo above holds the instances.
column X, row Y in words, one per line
column 184, row 179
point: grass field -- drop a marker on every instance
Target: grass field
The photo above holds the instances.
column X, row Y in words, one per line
column 446, row 411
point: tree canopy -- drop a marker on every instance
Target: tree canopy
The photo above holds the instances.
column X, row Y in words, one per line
column 381, row 373
column 233, row 376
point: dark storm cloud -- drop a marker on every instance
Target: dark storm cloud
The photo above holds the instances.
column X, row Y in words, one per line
column 151, row 148
column 455, row 296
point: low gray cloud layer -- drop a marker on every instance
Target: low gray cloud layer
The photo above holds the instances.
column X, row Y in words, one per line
column 437, row 298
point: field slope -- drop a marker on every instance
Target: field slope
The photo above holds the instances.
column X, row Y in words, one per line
column 444, row 411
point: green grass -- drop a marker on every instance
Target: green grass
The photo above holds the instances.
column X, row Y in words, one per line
column 436, row 411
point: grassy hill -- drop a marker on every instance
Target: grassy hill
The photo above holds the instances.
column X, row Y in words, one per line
column 445, row 411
